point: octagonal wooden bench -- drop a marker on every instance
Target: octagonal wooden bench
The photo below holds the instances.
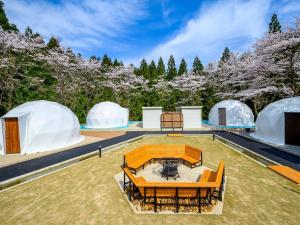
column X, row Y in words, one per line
column 138, row 157
column 210, row 184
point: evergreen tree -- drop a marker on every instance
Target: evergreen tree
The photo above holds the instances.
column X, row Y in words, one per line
column 106, row 61
column 171, row 71
column 53, row 43
column 197, row 66
column 4, row 23
column 182, row 67
column 3, row 19
column 28, row 32
column 13, row 27
column 121, row 63
column 144, row 69
column 160, row 67
column 274, row 25
column 93, row 57
column 116, row 63
column 152, row 70
column 225, row 56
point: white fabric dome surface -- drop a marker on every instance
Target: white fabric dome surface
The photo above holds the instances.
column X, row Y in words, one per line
column 270, row 122
column 107, row 115
column 45, row 125
column 237, row 113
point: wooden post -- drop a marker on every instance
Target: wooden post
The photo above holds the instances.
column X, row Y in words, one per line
column 124, row 187
column 177, row 203
column 145, row 195
column 199, row 200
column 129, row 190
column 155, row 203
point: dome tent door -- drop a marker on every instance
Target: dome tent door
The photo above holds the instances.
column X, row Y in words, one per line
column 292, row 128
column 222, row 116
column 12, row 136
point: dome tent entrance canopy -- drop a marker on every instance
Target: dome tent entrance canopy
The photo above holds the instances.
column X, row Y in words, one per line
column 107, row 115
column 231, row 113
column 279, row 122
column 39, row 126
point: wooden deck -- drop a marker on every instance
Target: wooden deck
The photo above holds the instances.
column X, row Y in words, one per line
column 287, row 172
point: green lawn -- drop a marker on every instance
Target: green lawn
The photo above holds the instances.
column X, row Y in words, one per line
column 87, row 193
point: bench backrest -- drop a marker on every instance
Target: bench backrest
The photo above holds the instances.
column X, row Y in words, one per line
column 161, row 151
column 135, row 154
column 220, row 173
column 193, row 152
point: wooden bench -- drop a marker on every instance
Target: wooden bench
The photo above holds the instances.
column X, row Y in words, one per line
column 171, row 120
column 287, row 172
column 138, row 157
column 210, row 183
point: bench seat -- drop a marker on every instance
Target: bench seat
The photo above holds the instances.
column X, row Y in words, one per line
column 190, row 159
column 139, row 163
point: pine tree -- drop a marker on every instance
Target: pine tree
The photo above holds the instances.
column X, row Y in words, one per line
column 53, row 43
column 171, row 71
column 116, row 63
column 121, row 63
column 4, row 23
column 28, row 32
column 225, row 56
column 160, row 67
column 3, row 19
column 182, row 67
column 106, row 61
column 144, row 69
column 197, row 66
column 152, row 70
column 274, row 25
column 93, row 57
column 13, row 27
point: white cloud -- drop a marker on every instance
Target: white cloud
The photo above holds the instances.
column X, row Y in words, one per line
column 81, row 24
column 216, row 25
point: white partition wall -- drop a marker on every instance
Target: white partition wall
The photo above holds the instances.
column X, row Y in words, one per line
column 192, row 116
column 151, row 117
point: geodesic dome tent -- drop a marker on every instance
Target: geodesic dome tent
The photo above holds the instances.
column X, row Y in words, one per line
column 231, row 113
column 279, row 122
column 39, row 126
column 107, row 115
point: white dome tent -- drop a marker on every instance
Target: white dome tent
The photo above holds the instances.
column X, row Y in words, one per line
column 39, row 126
column 231, row 113
column 107, row 115
column 279, row 122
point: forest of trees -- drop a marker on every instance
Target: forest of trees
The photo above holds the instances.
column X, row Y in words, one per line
column 31, row 69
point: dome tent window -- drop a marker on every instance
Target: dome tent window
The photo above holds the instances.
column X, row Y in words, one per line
column 279, row 122
column 231, row 113
column 40, row 126
column 107, row 115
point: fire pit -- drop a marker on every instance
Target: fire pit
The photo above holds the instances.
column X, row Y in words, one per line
column 170, row 168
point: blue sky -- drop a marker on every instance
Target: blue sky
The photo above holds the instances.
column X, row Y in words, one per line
column 132, row 29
